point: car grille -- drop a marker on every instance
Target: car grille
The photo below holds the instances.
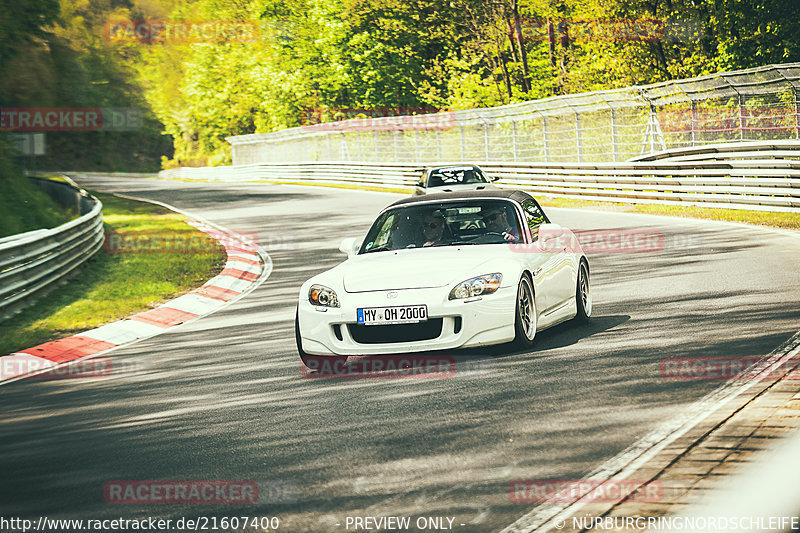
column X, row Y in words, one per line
column 423, row 331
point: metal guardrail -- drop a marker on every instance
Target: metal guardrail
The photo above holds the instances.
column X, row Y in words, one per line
column 34, row 261
column 737, row 183
column 757, row 104
column 727, row 151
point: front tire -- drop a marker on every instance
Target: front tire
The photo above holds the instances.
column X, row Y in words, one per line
column 583, row 295
column 312, row 362
column 525, row 314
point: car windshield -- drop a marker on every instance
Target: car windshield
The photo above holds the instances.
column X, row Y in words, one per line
column 443, row 224
column 455, row 176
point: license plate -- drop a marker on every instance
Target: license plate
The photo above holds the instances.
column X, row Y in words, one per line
column 400, row 314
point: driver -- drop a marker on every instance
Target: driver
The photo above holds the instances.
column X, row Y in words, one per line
column 433, row 228
column 497, row 222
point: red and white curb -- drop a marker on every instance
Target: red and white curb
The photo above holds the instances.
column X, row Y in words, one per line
column 246, row 268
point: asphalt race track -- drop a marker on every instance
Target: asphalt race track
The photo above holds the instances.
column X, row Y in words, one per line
column 223, row 398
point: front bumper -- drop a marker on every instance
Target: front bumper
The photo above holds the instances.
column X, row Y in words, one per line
column 479, row 322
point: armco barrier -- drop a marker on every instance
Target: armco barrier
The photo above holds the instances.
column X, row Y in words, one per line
column 32, row 262
column 759, row 104
column 728, row 151
column 747, row 183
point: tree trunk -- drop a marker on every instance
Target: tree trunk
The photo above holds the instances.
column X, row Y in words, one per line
column 564, row 31
column 506, row 77
column 523, row 55
column 511, row 37
column 551, row 50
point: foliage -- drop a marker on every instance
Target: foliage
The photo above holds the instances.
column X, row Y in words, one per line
column 23, row 205
column 64, row 61
column 315, row 58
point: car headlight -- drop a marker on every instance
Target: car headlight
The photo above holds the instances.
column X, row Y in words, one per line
column 322, row 296
column 486, row 284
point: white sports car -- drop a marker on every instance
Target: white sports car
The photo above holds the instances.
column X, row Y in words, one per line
column 444, row 271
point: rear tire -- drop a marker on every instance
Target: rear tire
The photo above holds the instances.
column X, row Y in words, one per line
column 312, row 362
column 583, row 295
column 525, row 316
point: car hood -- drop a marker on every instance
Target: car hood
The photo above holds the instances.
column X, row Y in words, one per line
column 461, row 187
column 417, row 268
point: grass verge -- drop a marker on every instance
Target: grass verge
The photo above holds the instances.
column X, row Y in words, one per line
column 26, row 207
column 131, row 276
column 759, row 218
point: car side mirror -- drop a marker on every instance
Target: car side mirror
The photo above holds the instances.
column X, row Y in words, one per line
column 350, row 246
column 494, row 178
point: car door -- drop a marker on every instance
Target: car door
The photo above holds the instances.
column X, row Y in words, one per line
column 551, row 267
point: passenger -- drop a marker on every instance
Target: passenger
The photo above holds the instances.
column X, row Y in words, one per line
column 497, row 222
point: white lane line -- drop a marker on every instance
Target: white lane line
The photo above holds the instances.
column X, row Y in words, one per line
column 543, row 518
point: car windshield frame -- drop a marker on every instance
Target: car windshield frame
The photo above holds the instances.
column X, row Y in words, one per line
column 401, row 227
